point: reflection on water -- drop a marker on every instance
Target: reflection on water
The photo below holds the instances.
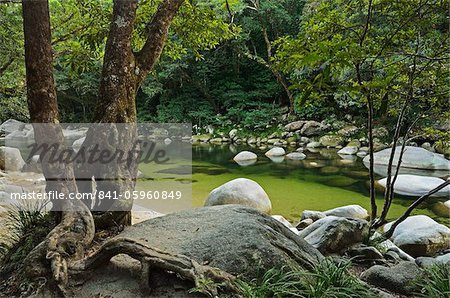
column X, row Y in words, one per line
column 321, row 181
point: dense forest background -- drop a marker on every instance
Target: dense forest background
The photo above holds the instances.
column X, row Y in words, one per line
column 251, row 63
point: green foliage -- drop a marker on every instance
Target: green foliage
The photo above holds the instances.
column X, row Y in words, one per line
column 13, row 106
column 398, row 53
column 435, row 283
column 327, row 279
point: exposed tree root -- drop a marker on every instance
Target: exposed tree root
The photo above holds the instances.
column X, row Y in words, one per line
column 150, row 257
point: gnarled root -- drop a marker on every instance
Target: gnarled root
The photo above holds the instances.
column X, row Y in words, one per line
column 65, row 243
column 150, row 257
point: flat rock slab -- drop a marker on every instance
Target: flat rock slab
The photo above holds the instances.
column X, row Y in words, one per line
column 236, row 239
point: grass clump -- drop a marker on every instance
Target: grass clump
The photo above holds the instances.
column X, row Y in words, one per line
column 28, row 225
column 435, row 282
column 326, row 279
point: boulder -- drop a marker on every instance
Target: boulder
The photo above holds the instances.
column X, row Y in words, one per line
column 201, row 138
column 399, row 278
column 419, row 235
column 241, row 191
column 349, row 150
column 74, row 134
column 232, row 238
column 331, row 140
column 361, row 252
column 285, row 222
column 11, row 159
column 313, row 145
column 442, row 208
column 296, row 156
column 313, row 215
column 413, row 157
column 293, row 126
column 76, row 145
column 348, row 131
column 414, row 185
column 354, row 143
column 427, row 146
column 245, row 155
column 312, row 128
column 233, row 133
column 424, row 262
column 33, row 165
column 10, row 126
column 304, row 223
column 350, row 211
column 276, row 151
column 334, row 234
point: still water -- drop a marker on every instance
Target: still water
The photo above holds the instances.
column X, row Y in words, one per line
column 322, row 181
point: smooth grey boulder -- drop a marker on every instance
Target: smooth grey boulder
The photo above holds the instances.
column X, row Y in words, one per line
column 420, row 235
column 233, row 238
column 399, row 278
column 429, row 261
column 276, row 151
column 414, row 185
column 311, row 214
column 350, row 211
column 314, row 144
column 245, row 155
column 11, row 125
column 348, row 150
column 296, row 156
column 293, row 126
column 334, row 234
column 241, row 191
column 312, row 128
column 11, row 159
column 413, row 158
column 245, row 158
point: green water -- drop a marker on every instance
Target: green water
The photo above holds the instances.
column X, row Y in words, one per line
column 322, row 181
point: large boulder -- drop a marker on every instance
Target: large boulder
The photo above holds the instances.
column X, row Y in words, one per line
column 296, row 125
column 296, row 156
column 414, row 185
column 241, row 191
column 331, row 140
column 350, row 211
column 276, row 151
column 232, row 238
column 399, row 278
column 348, row 150
column 10, row 126
column 348, row 131
column 420, row 235
column 11, row 159
column 334, row 234
column 413, row 158
column 245, row 155
column 312, row 128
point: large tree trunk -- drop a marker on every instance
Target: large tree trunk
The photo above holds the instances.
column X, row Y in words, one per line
column 41, row 94
column 122, row 74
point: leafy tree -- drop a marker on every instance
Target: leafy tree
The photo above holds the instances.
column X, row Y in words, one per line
column 381, row 53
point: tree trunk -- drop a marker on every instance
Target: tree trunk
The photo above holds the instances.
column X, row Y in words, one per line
column 122, row 74
column 43, row 107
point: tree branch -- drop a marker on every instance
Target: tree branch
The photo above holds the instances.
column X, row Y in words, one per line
column 416, row 203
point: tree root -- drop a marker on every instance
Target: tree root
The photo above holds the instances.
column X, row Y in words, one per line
column 65, row 243
column 150, row 257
